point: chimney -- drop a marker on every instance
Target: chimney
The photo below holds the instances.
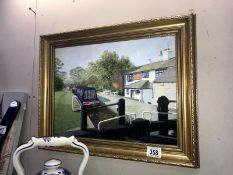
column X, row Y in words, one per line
column 149, row 61
column 166, row 54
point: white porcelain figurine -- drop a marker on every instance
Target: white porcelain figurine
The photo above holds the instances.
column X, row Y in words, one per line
column 52, row 167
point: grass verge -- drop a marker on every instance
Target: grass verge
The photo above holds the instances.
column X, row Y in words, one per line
column 65, row 118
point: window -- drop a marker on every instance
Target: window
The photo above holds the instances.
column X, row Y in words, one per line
column 158, row 72
column 130, row 77
column 145, row 74
column 90, row 94
column 137, row 92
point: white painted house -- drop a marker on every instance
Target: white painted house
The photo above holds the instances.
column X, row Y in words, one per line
column 138, row 82
column 138, row 85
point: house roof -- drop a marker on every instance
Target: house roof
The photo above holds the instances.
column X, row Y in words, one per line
column 168, row 76
column 154, row 66
column 142, row 84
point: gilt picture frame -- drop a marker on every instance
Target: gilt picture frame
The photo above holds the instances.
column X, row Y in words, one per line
column 173, row 66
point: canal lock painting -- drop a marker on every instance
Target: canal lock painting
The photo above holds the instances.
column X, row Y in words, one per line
column 123, row 90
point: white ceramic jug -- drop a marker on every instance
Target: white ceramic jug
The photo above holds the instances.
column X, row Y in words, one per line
column 51, row 166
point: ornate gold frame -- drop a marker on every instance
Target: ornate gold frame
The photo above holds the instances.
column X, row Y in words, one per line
column 186, row 153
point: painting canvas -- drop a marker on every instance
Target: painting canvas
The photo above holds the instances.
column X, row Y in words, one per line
column 138, row 71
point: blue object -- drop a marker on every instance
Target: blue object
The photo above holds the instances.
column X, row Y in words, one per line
column 8, row 120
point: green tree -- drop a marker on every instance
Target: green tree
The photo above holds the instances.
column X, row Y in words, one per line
column 125, row 63
column 58, row 65
column 59, row 75
column 109, row 67
column 78, row 75
column 59, row 83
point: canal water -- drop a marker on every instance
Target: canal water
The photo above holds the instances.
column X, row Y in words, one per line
column 101, row 114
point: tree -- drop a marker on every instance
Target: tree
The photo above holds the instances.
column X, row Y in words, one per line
column 78, row 75
column 125, row 63
column 59, row 83
column 109, row 68
column 59, row 75
column 58, row 65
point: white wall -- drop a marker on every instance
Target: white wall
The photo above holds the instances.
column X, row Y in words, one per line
column 165, row 89
column 127, row 94
column 147, row 95
column 137, row 96
column 19, row 70
column 151, row 77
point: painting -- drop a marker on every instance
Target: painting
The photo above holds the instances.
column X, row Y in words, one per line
column 98, row 75
column 124, row 90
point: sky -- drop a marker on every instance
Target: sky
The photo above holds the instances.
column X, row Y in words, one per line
column 139, row 51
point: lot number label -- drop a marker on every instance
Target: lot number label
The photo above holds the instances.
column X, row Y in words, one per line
column 153, row 152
